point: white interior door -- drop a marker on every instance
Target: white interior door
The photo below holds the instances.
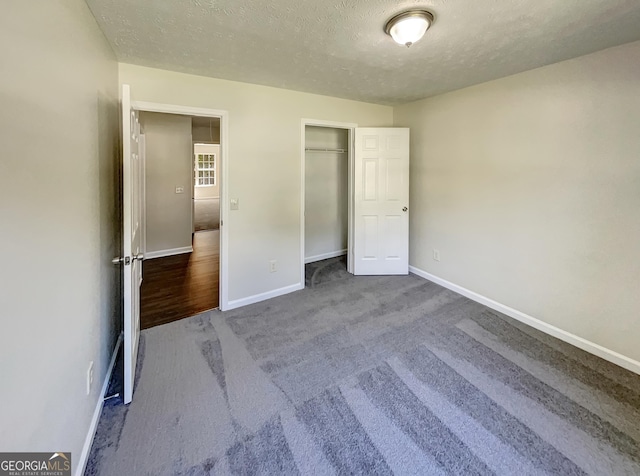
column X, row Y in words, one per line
column 381, row 201
column 132, row 230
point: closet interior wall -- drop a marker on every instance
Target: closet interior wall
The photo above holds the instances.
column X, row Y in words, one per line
column 326, row 192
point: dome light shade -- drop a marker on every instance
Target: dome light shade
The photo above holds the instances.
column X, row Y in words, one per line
column 408, row 27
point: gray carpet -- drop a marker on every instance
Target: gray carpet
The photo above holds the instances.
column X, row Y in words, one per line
column 206, row 214
column 321, row 272
column 368, row 375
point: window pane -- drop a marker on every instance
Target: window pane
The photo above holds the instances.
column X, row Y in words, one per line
column 205, row 169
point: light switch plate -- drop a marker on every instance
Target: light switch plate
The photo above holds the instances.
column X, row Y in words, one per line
column 235, row 203
column 179, row 189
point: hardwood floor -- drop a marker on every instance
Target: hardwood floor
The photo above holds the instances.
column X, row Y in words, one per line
column 181, row 286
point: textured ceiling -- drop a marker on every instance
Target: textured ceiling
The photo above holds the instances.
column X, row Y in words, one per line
column 338, row 48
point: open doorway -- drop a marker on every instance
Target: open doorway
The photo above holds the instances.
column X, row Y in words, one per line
column 181, row 242
column 326, row 184
column 205, row 132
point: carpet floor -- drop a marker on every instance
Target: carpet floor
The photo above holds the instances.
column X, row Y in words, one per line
column 206, row 214
column 368, row 375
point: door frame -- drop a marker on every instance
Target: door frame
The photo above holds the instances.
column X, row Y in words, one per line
column 350, row 127
column 223, row 115
column 142, row 151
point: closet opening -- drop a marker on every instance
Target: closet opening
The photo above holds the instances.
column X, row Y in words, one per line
column 326, row 164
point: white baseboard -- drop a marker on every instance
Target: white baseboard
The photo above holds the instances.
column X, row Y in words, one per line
column 263, row 296
column 332, row 254
column 84, row 456
column 169, row 252
column 584, row 344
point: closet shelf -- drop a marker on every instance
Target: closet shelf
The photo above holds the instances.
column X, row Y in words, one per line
column 316, row 149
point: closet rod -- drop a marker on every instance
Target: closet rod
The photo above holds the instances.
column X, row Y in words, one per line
column 314, row 149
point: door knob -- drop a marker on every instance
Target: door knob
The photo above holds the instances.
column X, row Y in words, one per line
column 126, row 260
column 404, row 209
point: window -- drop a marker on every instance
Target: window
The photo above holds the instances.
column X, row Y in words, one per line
column 205, row 170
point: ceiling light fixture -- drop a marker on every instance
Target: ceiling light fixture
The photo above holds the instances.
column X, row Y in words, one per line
column 408, row 27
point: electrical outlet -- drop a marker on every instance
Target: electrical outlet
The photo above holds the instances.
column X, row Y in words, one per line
column 436, row 255
column 179, row 189
column 89, row 377
column 272, row 266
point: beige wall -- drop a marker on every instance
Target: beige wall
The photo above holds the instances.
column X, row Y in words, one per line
column 206, row 135
column 168, row 165
column 326, row 192
column 264, row 163
column 530, row 188
column 58, row 299
column 209, row 191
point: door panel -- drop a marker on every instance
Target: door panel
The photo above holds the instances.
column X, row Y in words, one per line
column 394, row 180
column 370, row 179
column 393, row 245
column 370, row 237
column 132, row 225
column 381, row 232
